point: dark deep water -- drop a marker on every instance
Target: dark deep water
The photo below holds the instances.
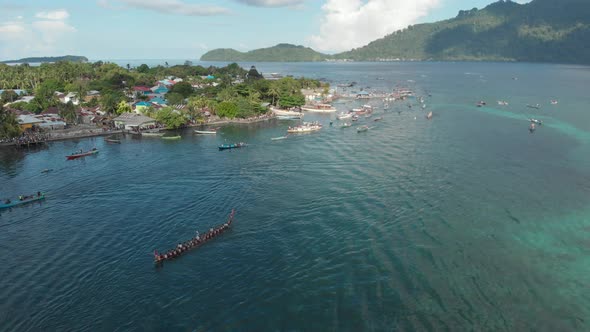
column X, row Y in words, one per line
column 464, row 222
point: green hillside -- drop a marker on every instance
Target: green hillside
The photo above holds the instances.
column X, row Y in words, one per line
column 72, row 58
column 278, row 53
column 540, row 31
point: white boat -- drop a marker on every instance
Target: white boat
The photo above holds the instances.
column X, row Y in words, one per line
column 502, row 103
column 283, row 113
column 278, row 138
column 306, row 127
column 319, row 108
column 362, row 129
column 205, row 132
column 346, row 125
column 554, row 102
column 343, row 116
column 152, row 134
column 429, row 115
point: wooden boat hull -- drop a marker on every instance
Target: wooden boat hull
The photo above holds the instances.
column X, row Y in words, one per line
column 19, row 203
column 231, row 146
column 114, row 141
column 171, row 138
column 81, row 155
column 205, row 132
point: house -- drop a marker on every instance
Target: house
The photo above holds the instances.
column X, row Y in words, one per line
column 52, row 124
column 133, row 121
column 141, row 106
column 142, row 90
column 71, row 97
column 28, row 121
column 160, row 89
column 166, row 82
column 159, row 101
column 91, row 94
column 311, row 94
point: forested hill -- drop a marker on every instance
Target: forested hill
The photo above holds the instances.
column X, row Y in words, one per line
column 278, row 53
column 72, row 58
column 540, row 31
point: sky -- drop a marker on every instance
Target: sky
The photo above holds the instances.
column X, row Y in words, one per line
column 185, row 29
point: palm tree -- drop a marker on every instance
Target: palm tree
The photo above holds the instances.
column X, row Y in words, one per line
column 274, row 92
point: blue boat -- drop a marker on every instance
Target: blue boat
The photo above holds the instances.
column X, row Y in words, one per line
column 5, row 204
column 231, row 146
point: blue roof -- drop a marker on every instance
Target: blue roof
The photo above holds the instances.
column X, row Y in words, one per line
column 210, row 77
column 143, row 103
column 159, row 101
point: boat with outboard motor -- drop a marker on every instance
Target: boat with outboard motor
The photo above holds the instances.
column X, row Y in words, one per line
column 7, row 203
column 231, row 146
column 537, row 122
column 361, row 129
column 195, row 242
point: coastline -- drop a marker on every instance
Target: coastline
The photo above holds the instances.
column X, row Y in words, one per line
column 87, row 132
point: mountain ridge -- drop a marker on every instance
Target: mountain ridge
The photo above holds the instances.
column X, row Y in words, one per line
column 538, row 31
column 72, row 58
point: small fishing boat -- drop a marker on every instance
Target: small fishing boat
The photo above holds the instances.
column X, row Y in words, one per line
column 554, row 102
column 306, row 127
column 355, row 117
column 206, row 132
column 152, row 134
column 502, row 103
column 536, row 106
column 286, row 113
column 289, row 117
column 429, row 115
column 532, row 128
column 7, row 203
column 47, row 170
column 171, row 137
column 379, row 118
column 537, row 122
column 82, row 154
column 343, row 116
column 278, row 138
column 114, row 141
column 346, row 125
column 231, row 146
column 481, row 103
column 362, row 129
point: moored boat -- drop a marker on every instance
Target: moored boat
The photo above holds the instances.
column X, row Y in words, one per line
column 149, row 134
column 287, row 113
column 206, row 132
column 82, row 154
column 343, row 116
column 171, row 137
column 379, row 118
column 346, row 125
column 429, row 115
column 112, row 140
column 231, row 146
column 7, row 203
column 278, row 138
column 319, row 108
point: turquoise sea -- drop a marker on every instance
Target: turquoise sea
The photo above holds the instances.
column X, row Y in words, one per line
column 465, row 222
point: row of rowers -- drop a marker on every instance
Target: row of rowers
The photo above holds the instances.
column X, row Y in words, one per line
column 190, row 244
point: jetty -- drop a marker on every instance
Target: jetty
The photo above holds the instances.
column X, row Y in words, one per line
column 197, row 241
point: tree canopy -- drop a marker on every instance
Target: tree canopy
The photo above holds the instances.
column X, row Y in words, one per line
column 9, row 126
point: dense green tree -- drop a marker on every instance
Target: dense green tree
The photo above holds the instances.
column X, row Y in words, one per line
column 8, row 96
column 9, row 126
column 174, row 98
column 227, row 109
column 183, row 88
column 68, row 112
column 109, row 101
column 123, row 107
column 171, row 118
column 143, row 68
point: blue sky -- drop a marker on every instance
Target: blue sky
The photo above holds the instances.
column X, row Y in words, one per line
column 185, row 29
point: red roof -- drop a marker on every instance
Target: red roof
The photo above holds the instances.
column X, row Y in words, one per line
column 141, row 88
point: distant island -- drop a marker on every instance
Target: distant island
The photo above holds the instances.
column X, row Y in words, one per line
column 539, row 31
column 71, row 58
column 278, row 53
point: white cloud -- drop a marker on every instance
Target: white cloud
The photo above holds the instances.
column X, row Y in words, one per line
column 9, row 29
column 44, row 36
column 176, row 7
column 348, row 24
column 60, row 14
column 272, row 3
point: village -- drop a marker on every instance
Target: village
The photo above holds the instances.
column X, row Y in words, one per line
column 229, row 94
